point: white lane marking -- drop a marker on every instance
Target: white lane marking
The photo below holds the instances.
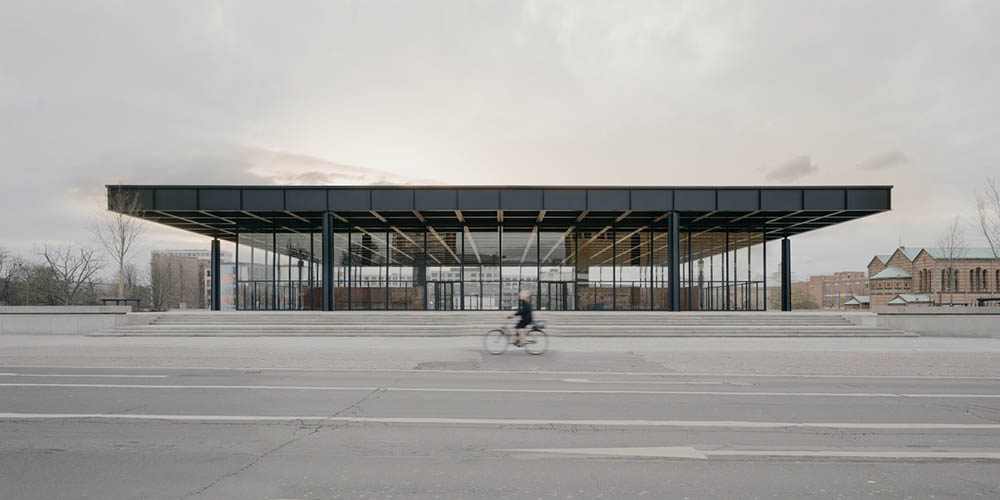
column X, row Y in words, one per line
column 518, row 372
column 858, row 454
column 508, row 421
column 516, row 391
column 639, row 451
column 693, row 453
column 660, row 382
column 70, row 375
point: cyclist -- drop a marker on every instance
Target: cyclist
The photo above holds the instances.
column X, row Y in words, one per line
column 524, row 311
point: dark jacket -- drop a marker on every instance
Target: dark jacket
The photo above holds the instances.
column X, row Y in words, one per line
column 524, row 311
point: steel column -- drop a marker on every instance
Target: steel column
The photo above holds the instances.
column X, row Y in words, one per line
column 216, row 270
column 236, row 274
column 786, row 274
column 674, row 280
column 328, row 261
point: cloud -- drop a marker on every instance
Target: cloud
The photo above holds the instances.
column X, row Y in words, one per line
column 281, row 167
column 884, row 160
column 792, row 170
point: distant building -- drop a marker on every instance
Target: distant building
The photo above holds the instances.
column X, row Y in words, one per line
column 177, row 278
column 858, row 302
column 832, row 291
column 925, row 276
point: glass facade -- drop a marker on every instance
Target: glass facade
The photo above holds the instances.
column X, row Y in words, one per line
column 613, row 267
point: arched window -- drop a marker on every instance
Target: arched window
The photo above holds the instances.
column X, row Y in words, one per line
column 979, row 279
column 943, row 287
column 996, row 280
column 972, row 280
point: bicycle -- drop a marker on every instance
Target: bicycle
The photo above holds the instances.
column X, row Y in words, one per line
column 536, row 341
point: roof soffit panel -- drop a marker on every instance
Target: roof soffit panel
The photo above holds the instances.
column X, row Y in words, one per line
column 868, row 199
column 392, row 199
column 359, row 199
column 739, row 199
column 436, row 199
column 652, row 199
column 781, row 199
column 608, row 199
column 176, row 199
column 521, row 199
column 478, row 199
column 565, row 199
column 825, row 199
column 694, row 200
column 263, row 199
column 311, row 200
column 219, row 199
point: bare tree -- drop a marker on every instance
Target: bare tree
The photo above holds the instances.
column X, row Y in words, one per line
column 952, row 245
column 70, row 271
column 118, row 231
column 988, row 215
column 131, row 278
column 11, row 272
column 161, row 286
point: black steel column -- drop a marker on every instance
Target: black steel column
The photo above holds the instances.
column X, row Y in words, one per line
column 786, row 274
column 576, row 270
column 674, row 280
column 727, row 273
column 387, row 257
column 275, row 269
column 426, row 282
column 236, row 274
column 328, row 261
column 614, row 270
column 763, row 239
column 216, row 275
column 649, row 260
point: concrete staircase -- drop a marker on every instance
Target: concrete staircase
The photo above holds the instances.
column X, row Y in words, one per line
column 457, row 323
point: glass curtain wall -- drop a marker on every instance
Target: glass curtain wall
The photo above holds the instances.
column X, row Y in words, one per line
column 277, row 271
column 733, row 266
column 632, row 269
column 594, row 272
column 367, row 269
column 660, row 262
column 444, row 270
column 481, row 270
column 557, row 282
column 407, row 270
column 519, row 263
column 588, row 268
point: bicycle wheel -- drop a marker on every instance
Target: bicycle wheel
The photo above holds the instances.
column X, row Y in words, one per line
column 536, row 341
column 496, row 342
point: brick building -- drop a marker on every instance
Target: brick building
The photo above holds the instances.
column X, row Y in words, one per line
column 923, row 276
column 832, row 291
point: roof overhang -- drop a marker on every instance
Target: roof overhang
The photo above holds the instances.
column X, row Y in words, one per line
column 222, row 211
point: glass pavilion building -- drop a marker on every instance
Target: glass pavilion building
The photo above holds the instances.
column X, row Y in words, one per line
column 473, row 248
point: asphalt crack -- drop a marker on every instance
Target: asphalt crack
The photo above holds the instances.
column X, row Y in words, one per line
column 319, row 426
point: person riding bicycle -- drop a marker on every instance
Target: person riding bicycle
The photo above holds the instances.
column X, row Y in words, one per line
column 524, row 311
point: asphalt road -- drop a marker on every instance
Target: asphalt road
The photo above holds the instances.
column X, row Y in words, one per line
column 201, row 418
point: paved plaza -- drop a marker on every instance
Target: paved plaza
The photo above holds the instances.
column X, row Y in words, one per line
column 408, row 418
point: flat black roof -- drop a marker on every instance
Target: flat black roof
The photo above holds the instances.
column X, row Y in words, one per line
column 221, row 211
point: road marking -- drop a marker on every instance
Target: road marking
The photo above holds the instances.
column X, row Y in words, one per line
column 660, row 382
column 90, row 375
column 693, row 453
column 639, row 451
column 518, row 372
column 506, row 421
column 513, row 390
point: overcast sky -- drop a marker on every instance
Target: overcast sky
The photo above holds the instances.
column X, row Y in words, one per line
column 532, row 92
